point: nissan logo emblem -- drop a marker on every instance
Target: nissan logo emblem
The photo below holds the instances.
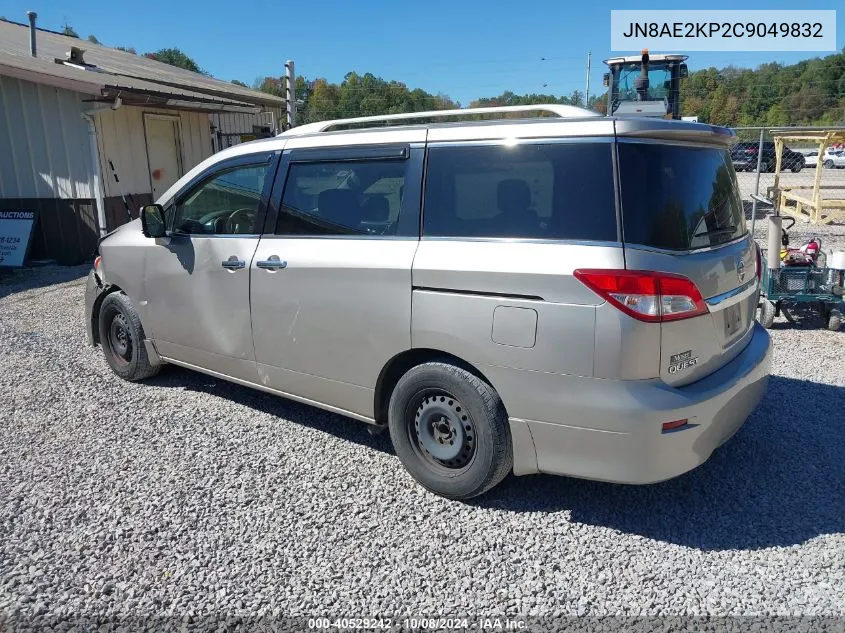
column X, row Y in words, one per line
column 740, row 269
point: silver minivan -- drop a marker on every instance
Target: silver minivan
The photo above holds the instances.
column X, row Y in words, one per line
column 564, row 293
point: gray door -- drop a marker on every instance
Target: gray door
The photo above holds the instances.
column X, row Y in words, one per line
column 197, row 278
column 331, row 291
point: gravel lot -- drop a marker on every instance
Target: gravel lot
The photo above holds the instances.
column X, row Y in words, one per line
column 187, row 497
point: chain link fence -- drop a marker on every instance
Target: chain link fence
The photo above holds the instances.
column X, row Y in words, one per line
column 753, row 157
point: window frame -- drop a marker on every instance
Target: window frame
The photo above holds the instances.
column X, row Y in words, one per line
column 576, row 140
column 412, row 154
column 675, row 143
column 270, row 158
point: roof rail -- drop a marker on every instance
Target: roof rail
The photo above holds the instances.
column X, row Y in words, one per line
column 563, row 111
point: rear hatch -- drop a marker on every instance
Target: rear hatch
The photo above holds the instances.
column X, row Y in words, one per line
column 682, row 214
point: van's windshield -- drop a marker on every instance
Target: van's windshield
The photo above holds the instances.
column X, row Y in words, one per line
column 677, row 197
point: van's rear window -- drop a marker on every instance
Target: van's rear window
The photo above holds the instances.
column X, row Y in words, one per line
column 678, row 198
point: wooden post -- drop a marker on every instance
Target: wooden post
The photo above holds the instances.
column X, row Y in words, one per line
column 815, row 214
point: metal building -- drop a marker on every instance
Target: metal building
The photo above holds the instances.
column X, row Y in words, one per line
column 73, row 114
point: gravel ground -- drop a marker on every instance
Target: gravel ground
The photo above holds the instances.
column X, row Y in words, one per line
column 188, row 497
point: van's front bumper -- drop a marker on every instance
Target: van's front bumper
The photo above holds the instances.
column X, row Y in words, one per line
column 612, row 430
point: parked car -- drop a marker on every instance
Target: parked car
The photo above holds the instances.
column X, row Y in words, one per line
column 811, row 158
column 834, row 158
column 466, row 286
column 744, row 157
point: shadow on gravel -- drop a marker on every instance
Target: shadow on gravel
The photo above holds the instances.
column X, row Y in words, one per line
column 778, row 482
column 303, row 414
column 23, row 279
column 806, row 315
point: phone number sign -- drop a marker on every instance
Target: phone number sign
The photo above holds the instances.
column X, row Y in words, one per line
column 15, row 235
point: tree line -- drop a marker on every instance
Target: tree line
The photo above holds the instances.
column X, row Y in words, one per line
column 811, row 92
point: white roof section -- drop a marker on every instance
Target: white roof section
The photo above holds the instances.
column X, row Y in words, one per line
column 558, row 110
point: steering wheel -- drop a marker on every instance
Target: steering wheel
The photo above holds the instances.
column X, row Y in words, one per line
column 240, row 219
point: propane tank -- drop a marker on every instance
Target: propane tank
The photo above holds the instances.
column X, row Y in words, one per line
column 773, row 253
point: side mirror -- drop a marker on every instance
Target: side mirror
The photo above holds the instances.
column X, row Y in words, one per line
column 152, row 221
column 684, row 71
column 606, row 78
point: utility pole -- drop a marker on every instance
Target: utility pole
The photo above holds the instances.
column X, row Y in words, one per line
column 290, row 93
column 587, row 93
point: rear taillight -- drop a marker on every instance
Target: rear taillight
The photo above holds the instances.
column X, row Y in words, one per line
column 646, row 295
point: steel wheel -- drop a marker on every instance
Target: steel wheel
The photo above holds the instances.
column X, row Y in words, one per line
column 443, row 433
column 120, row 339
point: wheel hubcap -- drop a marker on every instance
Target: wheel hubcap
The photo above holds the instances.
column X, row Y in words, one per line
column 444, row 431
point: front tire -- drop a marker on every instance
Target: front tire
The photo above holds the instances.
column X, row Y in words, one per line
column 450, row 430
column 122, row 339
column 828, row 164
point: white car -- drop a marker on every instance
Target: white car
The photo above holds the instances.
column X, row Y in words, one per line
column 834, row 158
column 811, row 159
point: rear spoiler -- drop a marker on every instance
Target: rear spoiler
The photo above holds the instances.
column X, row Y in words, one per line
column 665, row 129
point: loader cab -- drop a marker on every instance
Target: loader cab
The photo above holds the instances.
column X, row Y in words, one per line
column 645, row 85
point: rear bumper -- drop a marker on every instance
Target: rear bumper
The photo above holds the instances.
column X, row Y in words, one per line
column 612, row 430
column 92, row 291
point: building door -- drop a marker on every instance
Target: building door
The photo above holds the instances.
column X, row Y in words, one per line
column 165, row 161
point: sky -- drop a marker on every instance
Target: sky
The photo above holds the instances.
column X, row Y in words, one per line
column 465, row 49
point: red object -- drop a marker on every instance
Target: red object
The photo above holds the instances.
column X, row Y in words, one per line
column 675, row 424
column 646, row 295
column 157, row 174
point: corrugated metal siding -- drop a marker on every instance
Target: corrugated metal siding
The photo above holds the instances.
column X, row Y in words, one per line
column 230, row 124
column 44, row 150
column 121, row 139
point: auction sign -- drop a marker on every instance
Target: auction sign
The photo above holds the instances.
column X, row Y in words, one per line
column 15, row 235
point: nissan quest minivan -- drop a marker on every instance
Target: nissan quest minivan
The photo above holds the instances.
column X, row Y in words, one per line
column 566, row 293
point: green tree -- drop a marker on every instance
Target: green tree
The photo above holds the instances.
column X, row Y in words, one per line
column 125, row 49
column 176, row 57
column 237, row 82
column 68, row 30
column 93, row 39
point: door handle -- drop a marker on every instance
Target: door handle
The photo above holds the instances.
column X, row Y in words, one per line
column 233, row 263
column 272, row 263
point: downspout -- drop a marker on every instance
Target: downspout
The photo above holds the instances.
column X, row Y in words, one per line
column 88, row 115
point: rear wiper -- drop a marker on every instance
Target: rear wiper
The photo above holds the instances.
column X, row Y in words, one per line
column 722, row 231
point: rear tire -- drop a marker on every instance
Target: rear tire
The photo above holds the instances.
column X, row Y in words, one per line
column 828, row 164
column 834, row 321
column 798, row 166
column 122, row 339
column 767, row 313
column 765, row 167
column 450, row 430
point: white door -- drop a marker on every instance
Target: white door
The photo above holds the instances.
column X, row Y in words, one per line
column 163, row 151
